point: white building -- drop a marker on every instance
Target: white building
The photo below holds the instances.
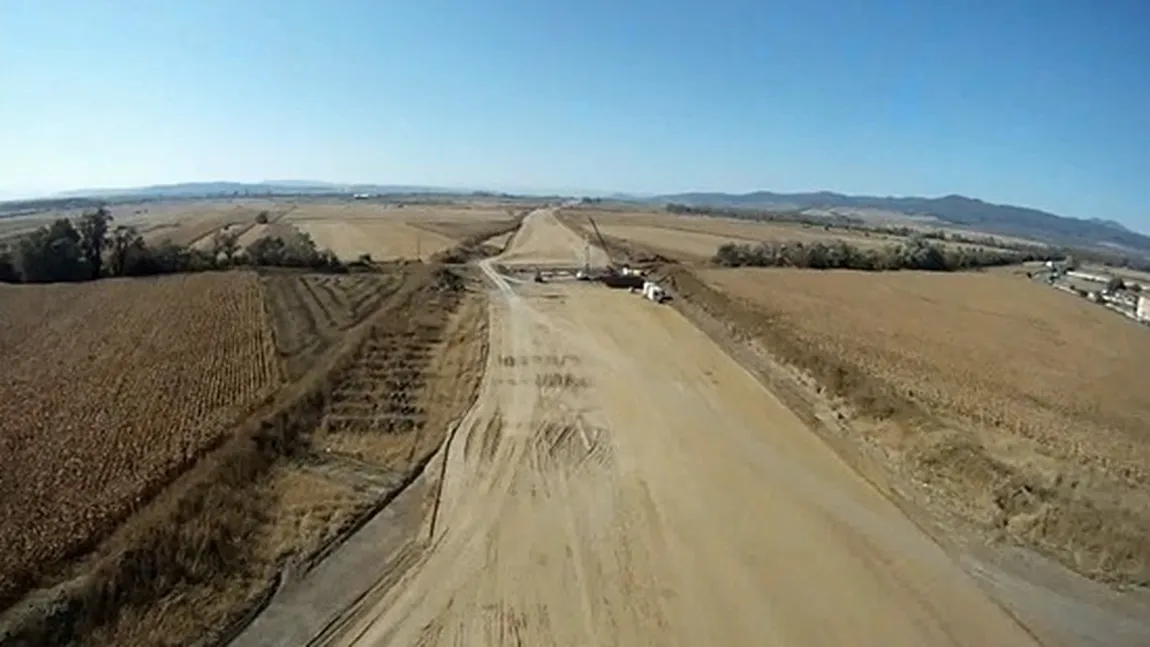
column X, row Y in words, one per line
column 1142, row 313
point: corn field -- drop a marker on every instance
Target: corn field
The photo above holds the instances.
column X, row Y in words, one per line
column 108, row 391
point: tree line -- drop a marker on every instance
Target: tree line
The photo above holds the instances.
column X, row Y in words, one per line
column 915, row 254
column 828, row 223
column 91, row 248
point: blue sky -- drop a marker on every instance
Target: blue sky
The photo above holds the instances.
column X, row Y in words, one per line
column 1043, row 103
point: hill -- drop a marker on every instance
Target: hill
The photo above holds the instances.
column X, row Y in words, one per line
column 274, row 187
column 955, row 210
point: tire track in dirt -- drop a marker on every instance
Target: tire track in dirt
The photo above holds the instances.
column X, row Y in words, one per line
column 629, row 484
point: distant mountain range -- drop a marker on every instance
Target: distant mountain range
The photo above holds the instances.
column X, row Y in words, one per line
column 274, row 187
column 953, row 210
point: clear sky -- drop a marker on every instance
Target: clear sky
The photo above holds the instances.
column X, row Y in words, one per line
column 1044, row 103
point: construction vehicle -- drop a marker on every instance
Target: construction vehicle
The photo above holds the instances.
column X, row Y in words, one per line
column 613, row 277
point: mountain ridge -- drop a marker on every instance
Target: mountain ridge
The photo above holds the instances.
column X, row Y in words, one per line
column 953, row 209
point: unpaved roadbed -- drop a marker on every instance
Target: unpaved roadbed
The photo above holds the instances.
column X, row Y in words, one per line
column 622, row 481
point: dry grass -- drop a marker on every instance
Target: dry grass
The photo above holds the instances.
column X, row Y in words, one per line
column 110, row 389
column 310, row 313
column 695, row 238
column 393, row 405
column 388, row 232
column 1023, row 406
column 193, row 223
column 383, row 240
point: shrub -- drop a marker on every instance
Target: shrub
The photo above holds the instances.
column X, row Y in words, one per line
column 916, row 254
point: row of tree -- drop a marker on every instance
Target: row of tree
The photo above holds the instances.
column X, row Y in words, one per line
column 91, row 248
column 915, row 254
column 1034, row 250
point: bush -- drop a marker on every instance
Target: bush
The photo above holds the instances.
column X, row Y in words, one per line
column 262, row 218
column 917, row 254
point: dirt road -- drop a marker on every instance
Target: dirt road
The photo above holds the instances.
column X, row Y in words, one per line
column 543, row 240
column 621, row 481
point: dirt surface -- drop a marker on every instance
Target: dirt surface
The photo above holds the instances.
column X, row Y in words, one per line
column 622, row 481
column 543, row 240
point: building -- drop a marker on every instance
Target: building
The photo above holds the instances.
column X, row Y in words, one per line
column 1142, row 313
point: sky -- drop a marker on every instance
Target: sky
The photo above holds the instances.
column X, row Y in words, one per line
column 1042, row 103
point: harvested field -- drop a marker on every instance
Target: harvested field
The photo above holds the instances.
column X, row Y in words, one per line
column 467, row 229
column 111, row 389
column 378, row 411
column 311, row 312
column 695, row 238
column 382, row 240
column 388, row 232
column 252, row 234
column 196, row 224
column 1022, row 407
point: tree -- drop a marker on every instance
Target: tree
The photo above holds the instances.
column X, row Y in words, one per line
column 124, row 244
column 262, row 218
column 94, row 239
column 51, row 253
column 8, row 271
column 1115, row 283
column 225, row 243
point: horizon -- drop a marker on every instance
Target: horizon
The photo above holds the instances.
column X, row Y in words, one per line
column 648, row 99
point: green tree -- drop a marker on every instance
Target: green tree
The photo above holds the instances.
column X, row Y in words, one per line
column 51, row 253
column 94, row 239
column 124, row 244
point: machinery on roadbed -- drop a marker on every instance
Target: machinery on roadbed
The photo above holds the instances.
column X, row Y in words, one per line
column 619, row 275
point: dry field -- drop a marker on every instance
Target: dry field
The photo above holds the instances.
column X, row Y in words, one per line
column 361, row 352
column 382, row 410
column 311, row 312
column 109, row 390
column 695, row 238
column 1037, row 399
column 193, row 223
column 388, row 232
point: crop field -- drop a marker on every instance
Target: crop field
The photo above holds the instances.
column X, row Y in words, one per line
column 388, row 232
column 695, row 238
column 1050, row 389
column 382, row 240
column 110, row 390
